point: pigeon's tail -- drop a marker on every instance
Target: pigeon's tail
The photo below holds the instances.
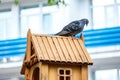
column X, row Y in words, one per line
column 57, row 34
column 63, row 33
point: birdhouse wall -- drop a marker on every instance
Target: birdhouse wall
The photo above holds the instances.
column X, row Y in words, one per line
column 84, row 72
column 45, row 71
column 51, row 72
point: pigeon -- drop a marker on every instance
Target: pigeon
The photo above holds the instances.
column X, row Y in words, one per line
column 73, row 28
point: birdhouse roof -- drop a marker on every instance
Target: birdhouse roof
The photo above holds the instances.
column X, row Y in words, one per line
column 56, row 49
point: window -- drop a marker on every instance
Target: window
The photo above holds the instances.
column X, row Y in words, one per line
column 47, row 21
column 99, row 22
column 64, row 74
column 118, row 1
column 119, row 74
column 37, row 18
column 101, row 2
column 106, row 74
column 5, row 23
column 110, row 16
column 30, row 18
column 105, row 13
column 119, row 13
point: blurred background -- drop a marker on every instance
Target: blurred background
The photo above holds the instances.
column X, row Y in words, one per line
column 102, row 36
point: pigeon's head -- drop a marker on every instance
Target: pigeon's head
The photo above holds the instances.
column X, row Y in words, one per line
column 86, row 21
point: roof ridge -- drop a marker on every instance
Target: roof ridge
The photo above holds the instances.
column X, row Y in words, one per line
column 47, row 35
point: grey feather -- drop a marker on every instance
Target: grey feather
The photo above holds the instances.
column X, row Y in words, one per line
column 73, row 28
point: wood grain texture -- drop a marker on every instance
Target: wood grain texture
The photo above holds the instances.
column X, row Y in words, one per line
column 62, row 49
column 56, row 49
column 84, row 72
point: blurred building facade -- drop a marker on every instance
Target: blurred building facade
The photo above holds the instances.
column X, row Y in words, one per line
column 102, row 36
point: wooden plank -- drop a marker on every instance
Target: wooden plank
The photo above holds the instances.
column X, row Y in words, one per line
column 40, row 67
column 69, row 49
column 53, row 48
column 37, row 48
column 63, row 47
column 48, row 48
column 76, row 70
column 81, row 53
column 28, row 53
column 45, row 72
column 84, row 72
column 76, row 53
column 85, row 52
column 59, row 50
column 42, row 47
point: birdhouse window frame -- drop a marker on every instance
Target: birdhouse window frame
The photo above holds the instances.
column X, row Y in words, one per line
column 64, row 74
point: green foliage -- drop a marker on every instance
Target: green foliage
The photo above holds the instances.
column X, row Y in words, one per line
column 56, row 2
column 50, row 2
column 16, row 2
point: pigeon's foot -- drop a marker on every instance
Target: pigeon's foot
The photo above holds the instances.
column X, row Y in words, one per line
column 73, row 37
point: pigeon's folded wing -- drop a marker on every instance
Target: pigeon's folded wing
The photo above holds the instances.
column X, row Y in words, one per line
column 63, row 33
column 71, row 27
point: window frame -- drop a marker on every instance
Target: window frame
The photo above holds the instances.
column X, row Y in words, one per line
column 64, row 74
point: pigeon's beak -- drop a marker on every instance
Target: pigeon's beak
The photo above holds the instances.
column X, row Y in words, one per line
column 86, row 25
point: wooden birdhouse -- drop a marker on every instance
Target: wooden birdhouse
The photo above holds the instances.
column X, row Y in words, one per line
column 55, row 58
